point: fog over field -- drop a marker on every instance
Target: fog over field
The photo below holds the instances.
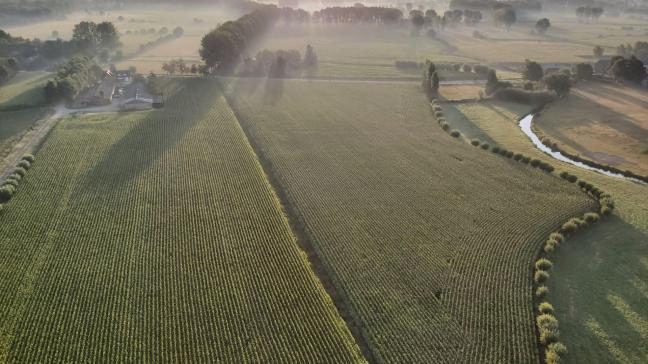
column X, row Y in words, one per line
column 299, row 181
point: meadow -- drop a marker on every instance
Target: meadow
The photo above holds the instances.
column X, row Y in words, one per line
column 22, row 104
column 155, row 236
column 410, row 224
column 606, row 123
column 597, row 284
column 567, row 40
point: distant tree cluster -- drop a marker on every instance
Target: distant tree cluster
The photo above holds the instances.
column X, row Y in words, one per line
column 89, row 39
column 587, row 12
column 222, row 47
column 430, row 80
column 78, row 73
column 640, row 50
column 177, row 32
column 505, row 15
column 629, row 69
column 542, row 25
column 92, row 36
column 280, row 63
column 8, row 68
column 529, row 5
column 357, row 15
column 179, row 66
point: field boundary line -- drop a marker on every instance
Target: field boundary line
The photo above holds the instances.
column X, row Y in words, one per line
column 343, row 307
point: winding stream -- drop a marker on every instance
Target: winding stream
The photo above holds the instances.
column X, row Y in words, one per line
column 525, row 125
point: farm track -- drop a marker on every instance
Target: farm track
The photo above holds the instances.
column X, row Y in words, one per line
column 381, row 194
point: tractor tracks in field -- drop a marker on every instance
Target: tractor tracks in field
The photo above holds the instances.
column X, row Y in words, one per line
column 301, row 235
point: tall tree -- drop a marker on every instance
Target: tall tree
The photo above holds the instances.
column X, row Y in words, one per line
column 542, row 25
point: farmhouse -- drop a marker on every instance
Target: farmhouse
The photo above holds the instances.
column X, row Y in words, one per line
column 102, row 93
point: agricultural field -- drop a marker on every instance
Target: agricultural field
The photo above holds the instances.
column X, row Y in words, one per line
column 567, row 40
column 155, row 236
column 597, row 285
column 410, row 224
column 602, row 122
column 359, row 50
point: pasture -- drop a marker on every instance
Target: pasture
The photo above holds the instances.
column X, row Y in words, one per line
column 566, row 41
column 602, row 122
column 411, row 224
column 154, row 236
column 596, row 284
column 24, row 90
column 359, row 50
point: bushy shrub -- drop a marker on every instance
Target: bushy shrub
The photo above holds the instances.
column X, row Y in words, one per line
column 568, row 227
column 23, row 164
column 536, row 98
column 558, row 237
column 540, row 276
column 545, row 308
column 12, row 182
column 554, row 352
column 503, row 152
column 605, row 211
column 550, row 246
column 509, row 154
column 571, row 178
column 20, row 171
column 525, row 160
column 438, row 114
column 548, row 336
column 6, row 192
column 15, row 176
column 455, row 133
column 517, row 156
column 591, row 217
column 563, row 174
column 541, row 291
column 548, row 328
column 29, row 158
column 535, row 163
column 445, row 126
column 475, row 142
column 467, row 68
column 495, row 149
column 543, row 264
column 485, row 146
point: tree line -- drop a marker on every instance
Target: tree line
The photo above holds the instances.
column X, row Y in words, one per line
column 88, row 39
column 72, row 77
column 222, row 47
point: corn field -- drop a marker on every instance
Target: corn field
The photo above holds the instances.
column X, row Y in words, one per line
column 155, row 237
column 430, row 241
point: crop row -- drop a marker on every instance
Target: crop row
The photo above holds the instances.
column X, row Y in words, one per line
column 546, row 323
column 154, row 237
column 412, row 227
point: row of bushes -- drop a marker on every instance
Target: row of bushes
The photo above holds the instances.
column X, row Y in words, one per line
column 457, row 67
column 606, row 167
column 546, row 322
column 518, row 157
column 10, row 185
column 439, row 116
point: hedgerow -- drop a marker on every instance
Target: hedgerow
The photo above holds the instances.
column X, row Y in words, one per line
column 10, row 184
